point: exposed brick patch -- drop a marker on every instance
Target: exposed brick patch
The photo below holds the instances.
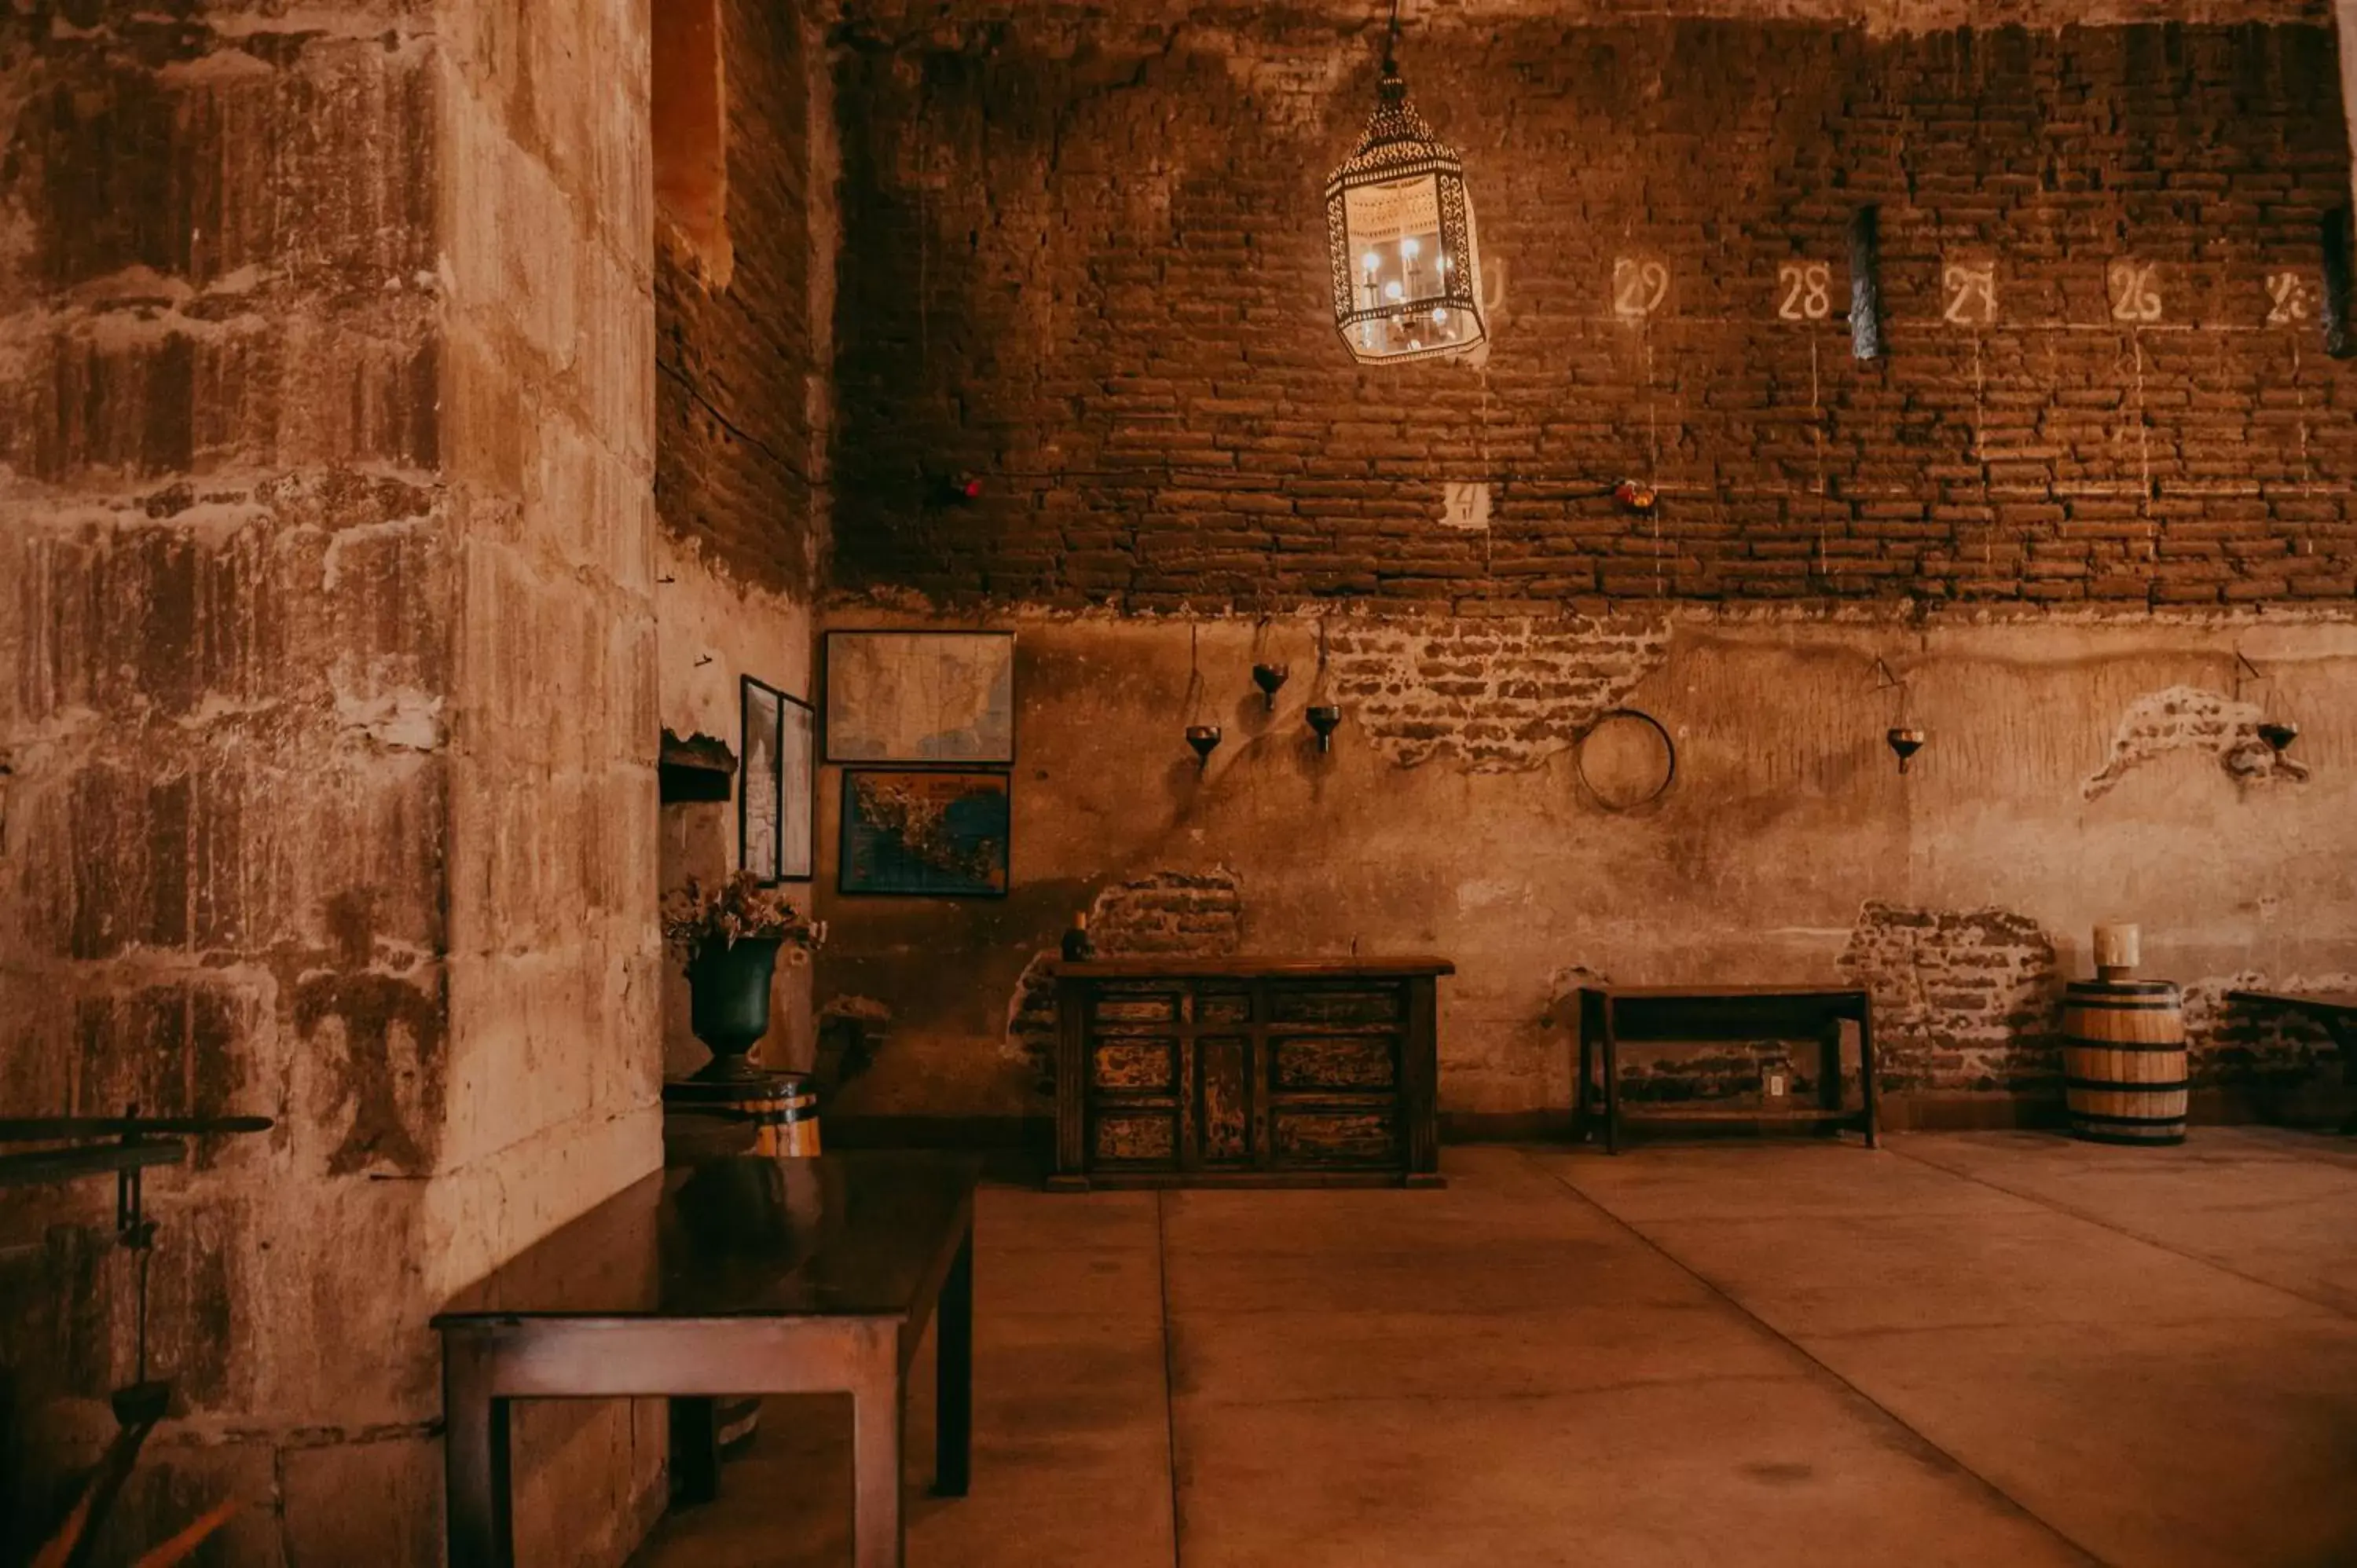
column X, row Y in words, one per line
column 2188, row 718
column 1964, row 999
column 1501, row 696
column 2229, row 1043
column 1198, row 914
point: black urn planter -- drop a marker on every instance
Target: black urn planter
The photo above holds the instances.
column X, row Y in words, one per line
column 728, row 1004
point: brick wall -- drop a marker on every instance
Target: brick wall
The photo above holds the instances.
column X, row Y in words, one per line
column 1090, row 267
column 740, row 391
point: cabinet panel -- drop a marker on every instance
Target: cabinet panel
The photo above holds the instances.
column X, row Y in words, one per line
column 1354, row 1062
column 1336, row 1004
column 1224, row 1115
column 1148, row 1067
column 1337, row 1137
column 1134, row 1137
column 1132, row 1009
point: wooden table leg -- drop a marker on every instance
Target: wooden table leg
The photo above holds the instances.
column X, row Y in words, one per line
column 1829, row 1069
column 1580, row 1131
column 1866, row 1072
column 1611, row 1083
column 953, row 1377
column 474, row 1457
column 876, row 1418
column 2346, row 1038
column 694, row 1450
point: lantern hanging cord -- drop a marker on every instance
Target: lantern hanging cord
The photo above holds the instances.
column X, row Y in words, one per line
column 1391, row 43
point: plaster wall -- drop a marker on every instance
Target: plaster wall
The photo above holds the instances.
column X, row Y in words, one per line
column 1789, row 848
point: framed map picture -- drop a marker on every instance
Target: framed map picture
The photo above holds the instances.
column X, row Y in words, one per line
column 918, row 832
column 761, row 782
column 797, row 790
column 946, row 697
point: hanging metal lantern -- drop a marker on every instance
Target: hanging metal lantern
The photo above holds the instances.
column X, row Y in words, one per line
column 1400, row 231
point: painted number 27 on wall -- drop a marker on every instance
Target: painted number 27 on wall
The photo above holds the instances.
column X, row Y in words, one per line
column 1969, row 292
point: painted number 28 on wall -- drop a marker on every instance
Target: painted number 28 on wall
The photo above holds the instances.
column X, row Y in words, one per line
column 1805, row 291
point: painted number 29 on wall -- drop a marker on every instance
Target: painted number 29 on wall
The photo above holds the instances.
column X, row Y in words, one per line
column 1639, row 287
column 1804, row 291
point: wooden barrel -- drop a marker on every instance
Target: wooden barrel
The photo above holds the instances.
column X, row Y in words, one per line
column 786, row 1120
column 775, row 1114
column 2124, row 1061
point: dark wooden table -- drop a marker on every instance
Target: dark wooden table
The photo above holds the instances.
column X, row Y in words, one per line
column 2336, row 1010
column 734, row 1275
column 1697, row 1014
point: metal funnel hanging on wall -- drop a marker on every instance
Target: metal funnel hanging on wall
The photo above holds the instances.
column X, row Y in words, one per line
column 1906, row 737
column 1325, row 718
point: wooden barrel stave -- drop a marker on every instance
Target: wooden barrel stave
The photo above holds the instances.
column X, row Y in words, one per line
column 2124, row 1073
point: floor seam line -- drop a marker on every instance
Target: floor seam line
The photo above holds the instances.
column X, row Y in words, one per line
column 2068, row 1212
column 1803, row 1351
column 1170, row 1374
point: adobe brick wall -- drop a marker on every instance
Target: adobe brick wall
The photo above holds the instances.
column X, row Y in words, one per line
column 741, row 397
column 1090, row 267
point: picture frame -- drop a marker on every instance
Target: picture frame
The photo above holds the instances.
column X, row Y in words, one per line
column 926, row 832
column 797, row 791
column 922, row 697
column 760, row 780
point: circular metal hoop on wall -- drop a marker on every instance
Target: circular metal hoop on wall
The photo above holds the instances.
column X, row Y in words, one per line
column 1636, row 764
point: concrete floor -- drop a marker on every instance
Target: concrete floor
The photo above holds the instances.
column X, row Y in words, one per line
column 1988, row 1349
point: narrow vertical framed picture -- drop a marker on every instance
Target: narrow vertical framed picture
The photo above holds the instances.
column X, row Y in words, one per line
column 760, row 784
column 797, row 791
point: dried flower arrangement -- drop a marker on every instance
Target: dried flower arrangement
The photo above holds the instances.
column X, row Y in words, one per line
column 739, row 907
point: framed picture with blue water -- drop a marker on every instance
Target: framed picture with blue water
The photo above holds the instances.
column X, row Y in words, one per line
column 924, row 833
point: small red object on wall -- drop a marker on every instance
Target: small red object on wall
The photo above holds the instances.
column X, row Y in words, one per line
column 1636, row 496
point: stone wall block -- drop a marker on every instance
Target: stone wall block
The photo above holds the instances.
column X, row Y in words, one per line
column 323, row 1528
column 132, row 161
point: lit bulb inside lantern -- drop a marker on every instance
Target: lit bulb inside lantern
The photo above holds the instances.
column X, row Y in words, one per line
column 1369, row 262
column 1392, row 290
column 1408, row 247
column 1439, row 316
column 1444, row 264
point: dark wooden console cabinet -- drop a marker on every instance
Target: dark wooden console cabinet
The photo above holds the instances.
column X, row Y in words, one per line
column 1173, row 1072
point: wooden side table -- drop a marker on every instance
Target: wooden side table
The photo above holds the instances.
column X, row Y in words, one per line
column 736, row 1275
column 1672, row 1014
